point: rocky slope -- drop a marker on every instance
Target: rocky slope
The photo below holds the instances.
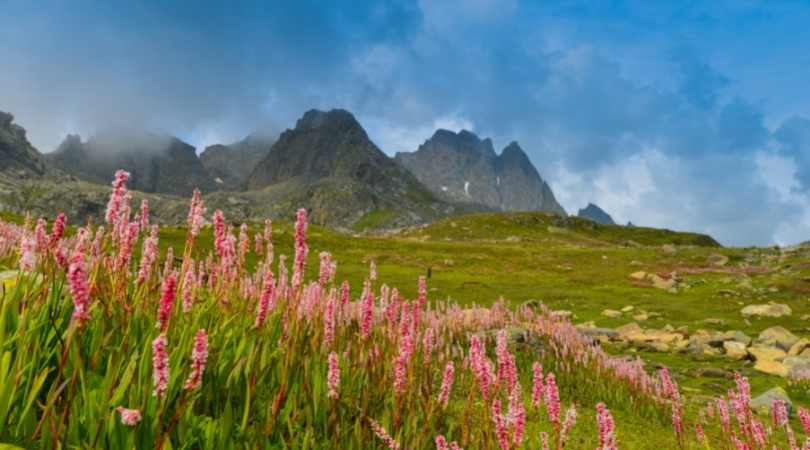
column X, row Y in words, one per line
column 157, row 163
column 464, row 168
column 328, row 164
column 230, row 165
column 596, row 214
column 18, row 158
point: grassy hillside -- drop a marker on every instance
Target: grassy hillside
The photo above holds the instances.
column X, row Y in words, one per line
column 576, row 266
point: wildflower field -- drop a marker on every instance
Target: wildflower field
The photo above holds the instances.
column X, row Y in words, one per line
column 109, row 338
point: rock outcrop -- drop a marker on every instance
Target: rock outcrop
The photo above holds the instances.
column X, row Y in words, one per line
column 18, row 158
column 461, row 167
column 596, row 214
column 231, row 165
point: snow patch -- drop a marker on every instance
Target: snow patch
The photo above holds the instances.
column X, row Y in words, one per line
column 467, row 188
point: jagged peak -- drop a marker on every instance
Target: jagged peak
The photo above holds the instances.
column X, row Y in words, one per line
column 316, row 118
column 463, row 140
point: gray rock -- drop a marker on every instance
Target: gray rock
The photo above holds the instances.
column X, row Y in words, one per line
column 767, row 310
column 778, row 336
column 763, row 402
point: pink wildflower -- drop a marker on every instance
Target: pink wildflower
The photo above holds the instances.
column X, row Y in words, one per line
column 166, row 303
column 441, row 443
column 517, row 414
column 144, row 218
column 501, row 432
column 265, row 299
column 544, row 440
column 537, row 384
column 367, row 311
column 149, row 255
column 160, row 365
column 447, row 384
column 199, row 356
column 568, row 424
column 779, row 413
column 301, row 249
column 189, row 283
column 41, row 235
column 117, row 197
column 329, row 319
column 605, row 424
column 77, row 282
column 28, row 253
column 428, row 341
column 372, row 270
column 196, row 213
column 384, row 436
column 333, row 377
column 58, row 230
column 129, row 417
column 552, row 399
column 804, row 418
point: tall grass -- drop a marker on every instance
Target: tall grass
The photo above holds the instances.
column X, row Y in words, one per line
column 101, row 349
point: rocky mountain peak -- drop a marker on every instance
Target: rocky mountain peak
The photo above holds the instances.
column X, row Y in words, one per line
column 465, row 168
column 596, row 214
column 18, row 157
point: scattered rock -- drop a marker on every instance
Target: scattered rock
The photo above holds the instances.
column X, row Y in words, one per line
column 771, row 368
column 640, row 317
column 717, row 260
column 762, row 403
column 765, row 353
column 627, row 308
column 612, row 313
column 767, row 310
column 735, row 350
column 599, row 332
column 638, row 276
column 779, row 337
column 663, row 283
column 799, row 347
column 629, row 329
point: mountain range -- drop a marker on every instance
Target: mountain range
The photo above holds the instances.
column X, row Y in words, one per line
column 326, row 163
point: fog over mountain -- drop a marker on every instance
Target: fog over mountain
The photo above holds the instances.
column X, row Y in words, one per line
column 669, row 116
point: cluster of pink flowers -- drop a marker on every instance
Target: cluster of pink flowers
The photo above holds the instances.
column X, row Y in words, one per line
column 441, row 444
column 149, row 255
column 333, row 376
column 301, row 249
column 606, row 428
column 117, row 198
column 129, row 417
column 166, row 303
column 79, row 290
column 199, row 356
column 160, row 365
column 57, row 231
column 196, row 214
column 265, row 299
column 447, row 383
column 384, row 436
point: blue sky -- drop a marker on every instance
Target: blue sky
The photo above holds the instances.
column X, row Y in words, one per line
column 688, row 115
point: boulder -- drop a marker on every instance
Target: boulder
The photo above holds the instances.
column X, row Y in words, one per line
column 660, row 282
column 640, row 317
column 763, row 403
column 800, row 346
column 779, row 337
column 599, row 333
column 767, row 310
column 735, row 350
column 771, row 367
column 638, row 276
column 669, row 249
column 611, row 313
column 628, row 308
column 628, row 329
column 765, row 353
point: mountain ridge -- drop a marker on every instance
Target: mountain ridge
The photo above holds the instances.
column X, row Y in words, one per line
column 463, row 167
